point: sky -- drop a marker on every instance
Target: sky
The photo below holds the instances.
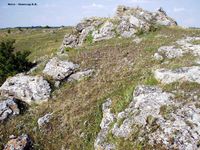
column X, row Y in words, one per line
column 70, row 12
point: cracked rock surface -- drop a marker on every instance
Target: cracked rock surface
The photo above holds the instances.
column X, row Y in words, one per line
column 154, row 116
column 26, row 88
column 190, row 74
column 58, row 69
column 8, row 108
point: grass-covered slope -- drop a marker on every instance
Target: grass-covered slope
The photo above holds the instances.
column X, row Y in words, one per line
column 120, row 65
column 40, row 42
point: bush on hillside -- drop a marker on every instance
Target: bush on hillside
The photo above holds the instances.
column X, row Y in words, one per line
column 12, row 63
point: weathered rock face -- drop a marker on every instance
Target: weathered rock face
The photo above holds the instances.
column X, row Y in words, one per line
column 108, row 118
column 170, row 51
column 8, row 108
column 187, row 45
column 58, row 69
column 105, row 32
column 44, row 120
column 182, row 47
column 153, row 116
column 146, row 103
column 70, row 40
column 190, row 74
column 182, row 131
column 162, row 18
column 125, row 23
column 22, row 142
column 26, row 88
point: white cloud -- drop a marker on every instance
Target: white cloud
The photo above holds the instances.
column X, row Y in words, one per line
column 93, row 6
column 178, row 9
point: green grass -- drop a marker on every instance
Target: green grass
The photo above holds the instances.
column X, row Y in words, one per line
column 89, row 38
column 196, row 42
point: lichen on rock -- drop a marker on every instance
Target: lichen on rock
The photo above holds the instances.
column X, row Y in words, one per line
column 26, row 88
column 8, row 108
column 190, row 74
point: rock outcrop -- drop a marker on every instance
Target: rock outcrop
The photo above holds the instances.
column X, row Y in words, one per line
column 153, row 116
column 180, row 48
column 58, row 69
column 190, row 74
column 23, row 142
column 26, row 88
column 8, row 108
column 126, row 23
column 146, row 103
column 108, row 118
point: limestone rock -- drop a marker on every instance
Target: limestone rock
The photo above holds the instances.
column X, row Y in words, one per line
column 170, row 51
column 44, row 120
column 22, row 142
column 190, row 74
column 157, row 56
column 8, row 108
column 58, row 69
column 162, row 18
column 153, row 116
column 185, row 46
column 85, row 32
column 71, row 40
column 80, row 75
column 146, row 102
column 125, row 29
column 108, row 118
column 26, row 88
column 182, row 132
column 105, row 32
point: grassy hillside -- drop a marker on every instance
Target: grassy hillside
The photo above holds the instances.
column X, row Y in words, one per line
column 120, row 65
column 39, row 41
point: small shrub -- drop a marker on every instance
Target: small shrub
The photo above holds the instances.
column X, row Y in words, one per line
column 12, row 63
column 196, row 42
column 8, row 31
column 67, row 49
column 139, row 32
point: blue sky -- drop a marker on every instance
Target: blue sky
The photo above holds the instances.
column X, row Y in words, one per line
column 70, row 12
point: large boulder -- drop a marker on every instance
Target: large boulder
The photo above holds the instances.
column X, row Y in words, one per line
column 26, row 88
column 8, row 108
column 58, row 69
column 23, row 142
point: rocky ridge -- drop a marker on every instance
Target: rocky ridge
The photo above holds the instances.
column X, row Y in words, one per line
column 126, row 23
